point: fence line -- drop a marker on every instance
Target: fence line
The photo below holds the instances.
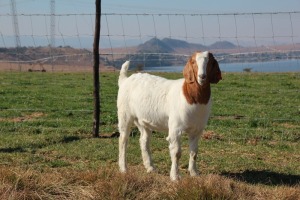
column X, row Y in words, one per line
column 258, row 35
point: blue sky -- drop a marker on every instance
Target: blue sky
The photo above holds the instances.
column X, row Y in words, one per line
column 154, row 6
column 78, row 28
column 199, row 6
column 218, row 27
column 43, row 6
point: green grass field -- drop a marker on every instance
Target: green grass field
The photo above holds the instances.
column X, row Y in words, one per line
column 250, row 149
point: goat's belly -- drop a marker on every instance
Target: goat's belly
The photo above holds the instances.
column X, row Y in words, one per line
column 150, row 112
column 153, row 123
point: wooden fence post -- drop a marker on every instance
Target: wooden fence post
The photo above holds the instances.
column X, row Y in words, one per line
column 96, row 79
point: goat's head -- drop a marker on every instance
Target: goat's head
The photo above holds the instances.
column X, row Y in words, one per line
column 202, row 67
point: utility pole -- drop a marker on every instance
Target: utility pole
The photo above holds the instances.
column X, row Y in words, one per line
column 15, row 24
column 52, row 23
column 52, row 30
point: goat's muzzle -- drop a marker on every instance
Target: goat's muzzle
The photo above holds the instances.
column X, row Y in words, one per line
column 202, row 79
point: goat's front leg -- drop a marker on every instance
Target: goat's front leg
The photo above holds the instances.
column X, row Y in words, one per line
column 123, row 140
column 193, row 142
column 175, row 153
column 145, row 149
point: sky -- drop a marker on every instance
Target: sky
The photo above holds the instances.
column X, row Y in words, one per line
column 77, row 29
column 199, row 6
column 154, row 6
column 43, row 6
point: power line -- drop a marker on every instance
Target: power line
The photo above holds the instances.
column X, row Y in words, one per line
column 16, row 29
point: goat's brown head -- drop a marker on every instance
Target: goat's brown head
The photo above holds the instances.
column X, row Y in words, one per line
column 200, row 70
column 203, row 68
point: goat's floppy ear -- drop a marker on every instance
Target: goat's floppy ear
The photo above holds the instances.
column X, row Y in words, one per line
column 188, row 72
column 215, row 72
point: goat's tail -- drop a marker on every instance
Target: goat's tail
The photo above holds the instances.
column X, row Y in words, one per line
column 123, row 72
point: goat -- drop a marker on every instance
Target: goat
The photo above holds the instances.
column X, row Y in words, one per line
column 155, row 103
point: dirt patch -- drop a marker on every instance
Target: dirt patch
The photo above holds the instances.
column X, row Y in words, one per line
column 28, row 117
column 210, row 135
column 254, row 141
column 286, row 125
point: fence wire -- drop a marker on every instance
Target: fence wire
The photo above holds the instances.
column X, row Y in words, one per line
column 252, row 37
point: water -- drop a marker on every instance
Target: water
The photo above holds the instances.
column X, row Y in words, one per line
column 271, row 66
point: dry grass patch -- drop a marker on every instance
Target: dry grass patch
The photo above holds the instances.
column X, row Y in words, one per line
column 108, row 183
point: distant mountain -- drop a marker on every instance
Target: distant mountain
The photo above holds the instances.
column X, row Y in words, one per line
column 222, row 45
column 175, row 43
column 155, row 45
column 168, row 45
column 180, row 45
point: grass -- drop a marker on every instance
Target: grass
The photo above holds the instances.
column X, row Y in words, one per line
column 250, row 148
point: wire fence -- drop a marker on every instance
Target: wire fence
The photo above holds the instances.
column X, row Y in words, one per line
column 233, row 38
column 149, row 40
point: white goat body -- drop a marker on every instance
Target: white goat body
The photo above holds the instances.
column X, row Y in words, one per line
column 155, row 103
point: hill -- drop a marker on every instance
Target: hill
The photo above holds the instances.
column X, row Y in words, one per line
column 168, row 45
column 68, row 56
column 155, row 45
column 60, row 55
column 222, row 45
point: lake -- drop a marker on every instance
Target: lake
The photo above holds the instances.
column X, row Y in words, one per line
column 271, row 66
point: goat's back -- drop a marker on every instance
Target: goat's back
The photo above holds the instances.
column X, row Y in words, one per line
column 148, row 99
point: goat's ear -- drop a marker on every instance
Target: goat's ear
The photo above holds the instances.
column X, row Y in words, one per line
column 213, row 67
column 188, row 72
column 211, row 56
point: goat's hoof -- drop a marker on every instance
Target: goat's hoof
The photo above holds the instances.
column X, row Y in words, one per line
column 150, row 169
column 122, row 170
column 194, row 173
column 175, row 178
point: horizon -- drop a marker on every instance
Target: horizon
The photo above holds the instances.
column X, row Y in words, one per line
column 136, row 43
column 135, row 22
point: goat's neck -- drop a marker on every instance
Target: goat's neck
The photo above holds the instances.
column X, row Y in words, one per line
column 195, row 93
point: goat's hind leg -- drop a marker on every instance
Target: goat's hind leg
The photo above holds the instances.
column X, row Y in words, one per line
column 124, row 129
column 145, row 148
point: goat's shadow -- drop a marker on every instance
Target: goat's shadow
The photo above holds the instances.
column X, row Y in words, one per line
column 264, row 177
column 12, row 150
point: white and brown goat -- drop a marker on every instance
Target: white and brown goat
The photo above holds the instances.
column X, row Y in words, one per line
column 177, row 106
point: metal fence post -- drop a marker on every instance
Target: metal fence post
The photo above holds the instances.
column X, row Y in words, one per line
column 96, row 123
